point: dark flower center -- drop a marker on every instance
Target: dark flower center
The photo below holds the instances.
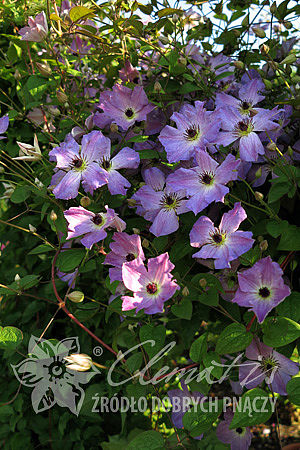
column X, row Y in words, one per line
column 191, row 132
column 206, row 178
column 130, row 257
column 245, row 105
column 151, row 288
column 243, row 126
column 264, row 292
column 217, row 237
column 97, row 219
column 129, row 113
column 239, row 430
column 135, row 80
column 106, row 164
column 169, row 200
column 77, row 163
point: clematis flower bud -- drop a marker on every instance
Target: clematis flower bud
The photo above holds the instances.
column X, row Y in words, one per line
column 185, row 291
column 61, row 97
column 53, row 216
column 79, row 362
column 259, row 32
column 76, row 296
column 259, row 196
column 28, row 152
column 85, row 201
column 263, row 245
column 239, row 65
column 44, row 68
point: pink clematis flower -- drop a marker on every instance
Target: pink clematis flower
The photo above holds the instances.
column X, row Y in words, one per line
column 125, row 106
column 37, row 29
column 91, row 226
column 261, row 288
column 151, row 287
column 225, row 243
column 125, row 248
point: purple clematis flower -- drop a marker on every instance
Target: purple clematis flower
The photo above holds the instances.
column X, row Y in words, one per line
column 125, row 248
column 4, row 122
column 126, row 158
column 261, row 288
column 125, row 106
column 37, row 29
column 160, row 204
column 238, row 438
column 225, row 243
column 91, row 226
column 196, row 128
column 266, row 365
column 237, row 127
column 206, row 182
column 77, row 164
column 151, row 287
column 181, row 400
column 248, row 97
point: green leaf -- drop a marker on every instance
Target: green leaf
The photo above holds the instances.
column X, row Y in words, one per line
column 254, row 408
column 209, row 360
column 280, row 331
column 198, row 348
column 199, row 421
column 43, row 248
column 20, row 194
column 69, row 259
column 183, row 310
column 148, row 440
column 168, row 11
column 210, row 298
column 10, row 337
column 233, row 339
column 278, row 190
column 80, row 12
column 293, row 390
column 290, row 307
column 36, row 86
column 155, row 333
column 290, row 239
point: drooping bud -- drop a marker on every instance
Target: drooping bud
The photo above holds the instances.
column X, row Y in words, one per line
column 182, row 60
column 145, row 243
column 61, row 97
column 53, row 216
column 258, row 173
column 185, row 291
column 157, row 87
column 290, row 59
column 164, row 40
column 44, row 68
column 239, row 65
column 263, row 245
column 259, row 196
column 76, row 296
column 79, row 362
column 32, row 228
column 203, row 282
column 175, row 18
column 259, row 32
column 29, row 152
column 273, row 8
column 271, row 146
column 114, row 128
column 131, row 202
column 264, row 48
column 85, row 201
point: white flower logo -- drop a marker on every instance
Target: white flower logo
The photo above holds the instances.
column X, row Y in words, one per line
column 45, row 371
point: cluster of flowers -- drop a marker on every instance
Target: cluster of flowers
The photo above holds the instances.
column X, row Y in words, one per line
column 206, row 146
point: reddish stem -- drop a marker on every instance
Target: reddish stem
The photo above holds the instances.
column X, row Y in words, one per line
column 251, row 323
column 72, row 317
